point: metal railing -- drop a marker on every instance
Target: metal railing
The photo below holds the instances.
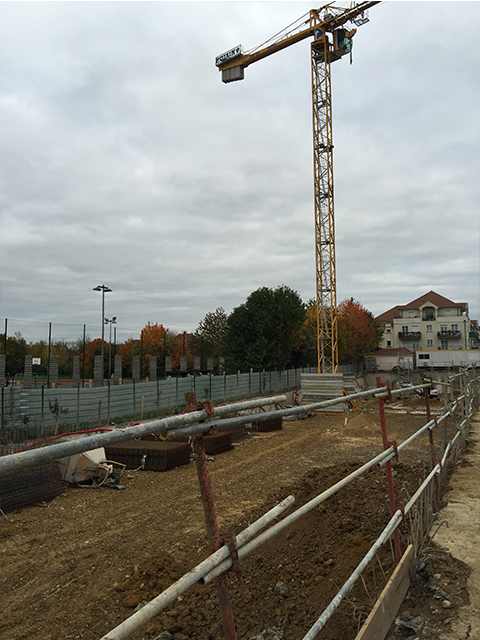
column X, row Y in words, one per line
column 203, row 573
column 37, row 413
column 461, row 402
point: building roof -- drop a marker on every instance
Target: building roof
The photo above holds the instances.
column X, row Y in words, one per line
column 434, row 298
column 400, row 351
column 387, row 317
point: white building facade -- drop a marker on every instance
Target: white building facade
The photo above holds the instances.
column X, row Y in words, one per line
column 429, row 322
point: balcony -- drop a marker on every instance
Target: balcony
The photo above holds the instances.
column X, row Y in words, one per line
column 428, row 317
column 410, row 335
column 446, row 335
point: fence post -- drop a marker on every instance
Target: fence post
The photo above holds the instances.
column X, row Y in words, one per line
column 43, row 410
column 108, row 400
column 3, row 407
column 176, row 394
column 388, row 469
column 432, row 446
column 134, row 404
column 78, row 405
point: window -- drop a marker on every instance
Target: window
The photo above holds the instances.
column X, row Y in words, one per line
column 404, row 329
column 415, row 346
column 424, row 356
column 454, row 327
column 443, row 327
column 389, row 343
column 388, row 328
column 447, row 312
column 444, row 344
column 428, row 327
column 414, row 327
column 411, row 314
column 429, row 343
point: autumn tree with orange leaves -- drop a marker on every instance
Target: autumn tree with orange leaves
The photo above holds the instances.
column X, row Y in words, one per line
column 358, row 332
column 160, row 342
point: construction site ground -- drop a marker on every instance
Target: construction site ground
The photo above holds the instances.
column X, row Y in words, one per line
column 75, row 567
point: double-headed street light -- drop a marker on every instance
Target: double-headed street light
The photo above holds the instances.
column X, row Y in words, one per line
column 104, row 290
column 110, row 322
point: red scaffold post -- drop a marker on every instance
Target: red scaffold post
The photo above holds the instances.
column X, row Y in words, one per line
column 214, row 538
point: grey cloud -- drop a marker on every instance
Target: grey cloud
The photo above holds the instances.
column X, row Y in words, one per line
column 127, row 161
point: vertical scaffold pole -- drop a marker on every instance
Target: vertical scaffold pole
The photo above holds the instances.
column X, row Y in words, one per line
column 214, row 539
column 426, row 393
column 388, row 469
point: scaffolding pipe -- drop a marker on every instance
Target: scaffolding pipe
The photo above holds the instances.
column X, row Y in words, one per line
column 384, row 536
column 154, row 607
column 228, row 423
column 429, row 425
column 36, row 457
column 286, row 522
column 209, row 569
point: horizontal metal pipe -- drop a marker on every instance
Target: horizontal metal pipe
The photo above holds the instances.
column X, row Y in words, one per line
column 447, row 451
column 436, row 469
column 228, row 423
column 439, row 420
column 441, row 383
column 429, row 425
column 408, row 441
column 155, row 606
column 36, row 457
column 248, row 547
column 290, row 519
column 412, row 388
column 323, row 619
column 391, row 526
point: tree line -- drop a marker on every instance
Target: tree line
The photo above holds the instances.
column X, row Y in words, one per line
column 272, row 329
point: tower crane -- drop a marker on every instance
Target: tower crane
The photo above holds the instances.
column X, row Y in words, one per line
column 331, row 41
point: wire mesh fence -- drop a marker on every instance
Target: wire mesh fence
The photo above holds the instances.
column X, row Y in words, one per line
column 39, row 412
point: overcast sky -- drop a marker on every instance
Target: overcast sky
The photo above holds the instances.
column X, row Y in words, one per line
column 125, row 161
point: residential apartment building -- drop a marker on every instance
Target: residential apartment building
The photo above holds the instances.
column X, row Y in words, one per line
column 429, row 322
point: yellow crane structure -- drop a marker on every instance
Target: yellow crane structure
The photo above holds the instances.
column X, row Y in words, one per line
column 331, row 41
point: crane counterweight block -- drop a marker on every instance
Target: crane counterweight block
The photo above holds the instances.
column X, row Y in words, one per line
column 233, row 74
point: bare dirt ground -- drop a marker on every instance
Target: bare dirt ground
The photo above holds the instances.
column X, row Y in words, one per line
column 75, row 567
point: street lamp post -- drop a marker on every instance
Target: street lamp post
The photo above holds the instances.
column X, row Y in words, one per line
column 110, row 322
column 104, row 290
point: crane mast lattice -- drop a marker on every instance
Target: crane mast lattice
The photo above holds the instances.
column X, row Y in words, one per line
column 330, row 42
